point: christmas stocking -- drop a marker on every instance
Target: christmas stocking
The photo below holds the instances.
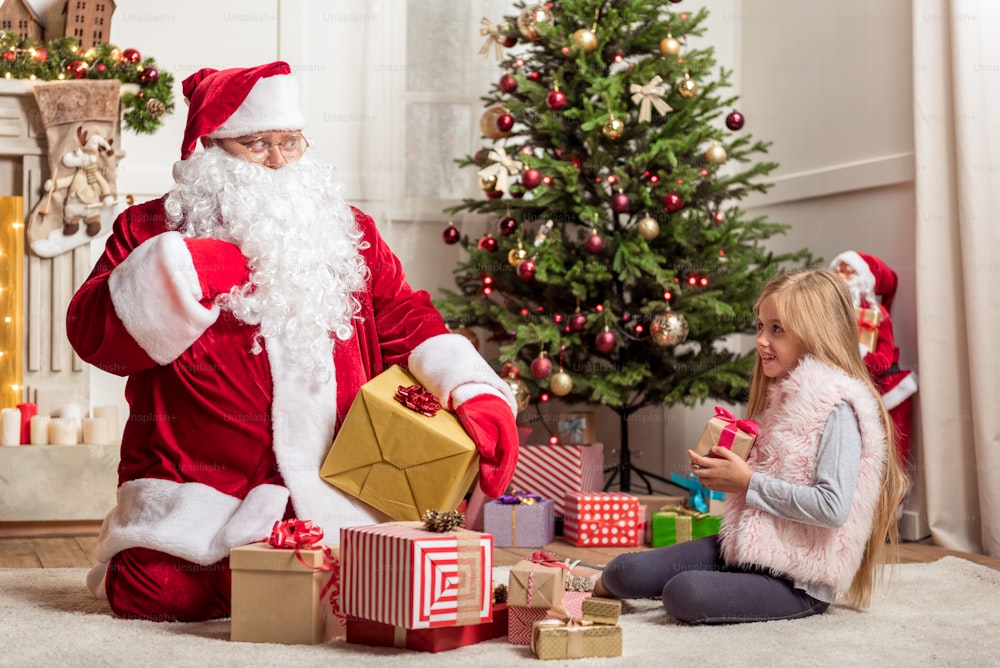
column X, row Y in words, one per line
column 78, row 202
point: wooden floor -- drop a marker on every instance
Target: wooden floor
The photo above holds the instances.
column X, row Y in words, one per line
column 72, row 546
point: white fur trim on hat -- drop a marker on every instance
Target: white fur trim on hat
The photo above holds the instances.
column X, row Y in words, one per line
column 857, row 263
column 272, row 104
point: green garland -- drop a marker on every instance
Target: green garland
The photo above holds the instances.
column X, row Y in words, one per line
column 62, row 58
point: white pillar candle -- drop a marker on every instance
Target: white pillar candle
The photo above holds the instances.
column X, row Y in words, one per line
column 109, row 413
column 62, row 432
column 10, row 426
column 39, row 429
column 73, row 413
column 96, row 431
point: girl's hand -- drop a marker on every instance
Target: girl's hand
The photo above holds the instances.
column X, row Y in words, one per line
column 724, row 472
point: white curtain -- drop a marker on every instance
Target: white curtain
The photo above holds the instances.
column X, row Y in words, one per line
column 957, row 126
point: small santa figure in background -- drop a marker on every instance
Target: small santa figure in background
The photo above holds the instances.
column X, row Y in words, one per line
column 872, row 284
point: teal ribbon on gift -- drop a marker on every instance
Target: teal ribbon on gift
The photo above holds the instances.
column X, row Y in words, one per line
column 574, row 427
column 699, row 494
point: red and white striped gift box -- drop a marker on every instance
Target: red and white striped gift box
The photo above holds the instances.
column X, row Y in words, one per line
column 602, row 519
column 552, row 470
column 398, row 573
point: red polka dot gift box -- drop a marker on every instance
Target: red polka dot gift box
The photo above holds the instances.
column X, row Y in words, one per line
column 602, row 519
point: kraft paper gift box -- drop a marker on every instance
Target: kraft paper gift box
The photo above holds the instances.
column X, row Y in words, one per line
column 552, row 470
column 534, row 585
column 400, row 574
column 557, row 639
column 602, row 519
column 277, row 599
column 678, row 525
column 439, row 639
column 577, row 428
column 869, row 320
column 520, row 521
column 601, row 610
column 725, row 430
column 397, row 459
column 521, row 619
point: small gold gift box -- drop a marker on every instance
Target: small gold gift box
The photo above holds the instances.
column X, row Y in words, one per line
column 601, row 610
column 574, row 639
column 869, row 320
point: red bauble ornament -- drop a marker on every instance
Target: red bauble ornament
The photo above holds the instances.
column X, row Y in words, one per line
column 131, row 56
column 531, row 178
column 482, row 156
column 149, row 76
column 509, row 370
column 734, row 121
column 77, row 68
column 41, row 55
column 555, row 100
column 507, row 226
column 541, row 367
column 516, row 190
column 9, row 56
column 577, row 322
column 100, row 67
column 488, row 244
column 594, row 243
column 605, row 341
column 510, row 40
column 526, row 270
column 619, row 202
column 451, row 235
column 672, row 202
column 505, row 122
column 508, row 84
column 494, row 194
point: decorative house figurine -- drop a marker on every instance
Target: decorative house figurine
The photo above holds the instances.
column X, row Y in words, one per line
column 88, row 21
column 18, row 16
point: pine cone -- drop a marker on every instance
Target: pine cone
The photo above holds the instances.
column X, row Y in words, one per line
column 438, row 522
column 500, row 593
column 155, row 108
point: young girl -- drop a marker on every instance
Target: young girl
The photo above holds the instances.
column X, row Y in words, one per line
column 809, row 514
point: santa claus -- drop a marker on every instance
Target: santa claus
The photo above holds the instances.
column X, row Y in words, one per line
column 247, row 307
column 872, row 284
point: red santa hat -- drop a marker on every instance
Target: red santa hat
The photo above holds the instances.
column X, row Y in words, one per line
column 877, row 276
column 240, row 101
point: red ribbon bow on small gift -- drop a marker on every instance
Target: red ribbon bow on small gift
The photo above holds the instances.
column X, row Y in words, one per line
column 729, row 431
column 418, row 399
column 303, row 534
column 546, row 559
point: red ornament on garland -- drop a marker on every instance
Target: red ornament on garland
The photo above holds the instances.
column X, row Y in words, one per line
column 507, row 226
column 526, row 270
column 594, row 243
column 619, row 202
column 41, row 55
column 508, row 84
column 606, row 341
column 131, row 56
column 531, row 178
column 77, row 68
column 556, row 100
column 451, row 235
column 149, row 76
column 9, row 56
column 734, row 121
column 672, row 202
column 541, row 367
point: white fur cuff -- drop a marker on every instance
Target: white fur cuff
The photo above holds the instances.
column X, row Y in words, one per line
column 444, row 363
column 156, row 294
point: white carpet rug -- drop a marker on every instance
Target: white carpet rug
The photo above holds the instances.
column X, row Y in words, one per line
column 946, row 613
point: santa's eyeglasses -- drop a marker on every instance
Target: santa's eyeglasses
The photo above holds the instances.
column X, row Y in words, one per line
column 292, row 147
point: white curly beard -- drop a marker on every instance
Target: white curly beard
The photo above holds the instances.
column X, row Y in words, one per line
column 859, row 290
column 299, row 236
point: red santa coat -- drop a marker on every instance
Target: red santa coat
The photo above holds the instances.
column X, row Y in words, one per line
column 220, row 442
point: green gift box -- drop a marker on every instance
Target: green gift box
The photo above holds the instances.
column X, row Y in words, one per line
column 676, row 525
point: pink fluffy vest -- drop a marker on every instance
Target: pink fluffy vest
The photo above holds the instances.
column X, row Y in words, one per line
column 787, row 448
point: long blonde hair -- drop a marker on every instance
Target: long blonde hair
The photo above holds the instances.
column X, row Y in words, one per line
column 815, row 307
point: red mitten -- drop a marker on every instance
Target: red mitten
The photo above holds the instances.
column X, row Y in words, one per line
column 220, row 266
column 490, row 423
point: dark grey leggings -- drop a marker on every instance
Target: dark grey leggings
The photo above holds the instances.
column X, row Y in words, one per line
column 697, row 588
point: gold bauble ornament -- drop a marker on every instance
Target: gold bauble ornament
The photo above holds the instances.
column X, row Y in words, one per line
column 613, row 128
column 488, row 183
column 688, row 87
column 522, row 395
column 668, row 329
column 516, row 256
column 716, row 153
column 531, row 17
column 669, row 46
column 585, row 39
column 648, row 228
column 488, row 122
column 561, row 383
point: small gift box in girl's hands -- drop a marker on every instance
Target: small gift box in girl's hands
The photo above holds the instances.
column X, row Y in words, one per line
column 286, row 589
column 725, row 430
column 520, row 520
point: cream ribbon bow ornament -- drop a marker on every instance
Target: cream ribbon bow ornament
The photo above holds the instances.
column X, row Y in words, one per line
column 494, row 35
column 504, row 166
column 650, row 94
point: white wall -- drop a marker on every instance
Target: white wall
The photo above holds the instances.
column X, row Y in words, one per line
column 829, row 83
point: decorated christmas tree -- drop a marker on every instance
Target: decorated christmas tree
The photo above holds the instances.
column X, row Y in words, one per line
column 615, row 262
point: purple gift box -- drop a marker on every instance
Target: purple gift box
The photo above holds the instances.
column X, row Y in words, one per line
column 520, row 521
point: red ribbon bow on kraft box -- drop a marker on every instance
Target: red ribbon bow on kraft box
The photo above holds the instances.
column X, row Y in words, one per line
column 725, row 430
